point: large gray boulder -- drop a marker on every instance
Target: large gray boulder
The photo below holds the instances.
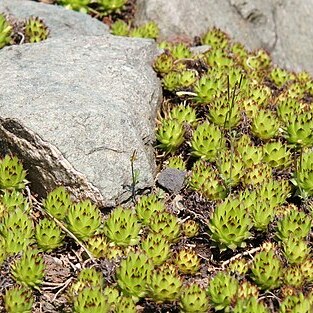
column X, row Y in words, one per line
column 75, row 109
column 61, row 22
column 281, row 27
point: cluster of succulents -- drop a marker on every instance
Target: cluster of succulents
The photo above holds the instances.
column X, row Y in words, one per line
column 101, row 7
column 34, row 30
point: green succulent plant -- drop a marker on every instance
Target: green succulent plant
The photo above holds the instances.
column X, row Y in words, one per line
column 148, row 30
column 288, row 107
column 183, row 114
column 280, row 76
column 293, row 224
column 3, row 253
column 35, row 30
column 230, row 224
column 239, row 52
column 147, row 206
column 296, row 250
column 176, row 162
column 224, row 113
column 193, row 299
column 76, row 5
column 250, row 305
column 11, row 200
column 207, row 88
column 239, row 267
column 98, row 246
column 112, row 293
column 218, row 58
column 265, row 125
column 5, row 32
column 83, row 219
column 48, row 235
column 293, row 276
column 247, row 290
column 277, row 155
column 187, row 261
column 261, row 95
column 171, row 80
column 156, row 247
column 307, row 270
column 300, row 130
column 110, row 6
column 180, row 51
column 257, row 174
column 296, row 303
column 165, row 283
column 303, row 178
column 12, row 174
column 91, row 300
column 262, row 215
column 215, row 38
column 266, row 270
column 122, row 227
column 18, row 300
column 134, row 274
column 125, row 304
column 164, row 63
column 120, row 28
column 29, row 269
column 166, row 224
column 170, row 135
column 190, row 228
column 231, row 168
column 17, row 230
column 207, row 141
column 58, row 203
column 221, row 290
column 187, row 78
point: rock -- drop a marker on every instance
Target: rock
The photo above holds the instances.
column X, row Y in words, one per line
column 61, row 22
column 172, row 179
column 75, row 109
column 281, row 27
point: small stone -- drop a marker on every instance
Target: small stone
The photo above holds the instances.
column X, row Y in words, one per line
column 172, row 179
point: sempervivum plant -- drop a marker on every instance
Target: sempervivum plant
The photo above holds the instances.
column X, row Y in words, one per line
column 293, row 276
column 296, row 303
column 215, row 38
column 167, row 224
column 267, row 270
column 91, row 300
column 293, row 224
column 29, row 269
column 18, row 300
column 170, row 134
column 184, row 114
column 17, row 230
column 58, row 203
column 156, row 247
column 11, row 200
column 147, row 206
column 84, row 219
column 224, row 113
column 187, row 261
column 147, row 30
column 276, row 155
column 120, row 28
column 230, row 224
column 304, row 175
column 194, row 299
column 165, row 283
column 12, row 174
column 5, row 31
column 207, row 141
column 265, row 125
column 36, row 30
column 98, row 246
column 280, row 76
column 222, row 290
column 122, row 227
column 77, row 5
column 296, row 250
column 134, row 274
column 257, row 174
column 164, row 63
column 190, row 228
column 176, row 162
column 48, row 235
column 180, row 51
column 109, row 6
column 207, row 88
column 250, row 305
column 125, row 304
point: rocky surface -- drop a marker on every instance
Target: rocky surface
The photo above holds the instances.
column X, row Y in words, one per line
column 75, row 108
column 281, row 27
column 61, row 22
column 172, row 179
